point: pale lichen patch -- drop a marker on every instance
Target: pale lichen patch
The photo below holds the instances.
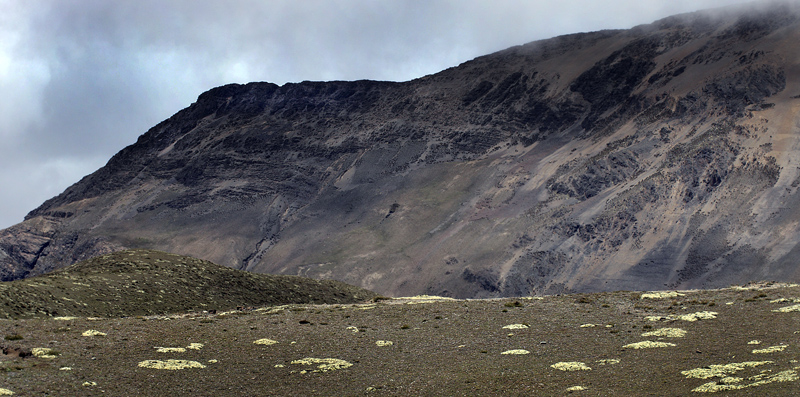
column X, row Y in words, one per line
column 576, row 388
column 516, row 326
column 661, row 295
column 93, row 332
column 171, row 365
column 788, row 309
column 383, row 343
column 608, row 361
column 6, row 392
column 728, row 382
column 170, row 349
column 571, row 366
column 647, row 345
column 588, row 325
column 667, row 332
column 705, row 315
column 325, row 364
column 516, row 351
column 771, row 349
column 64, row 318
column 195, row 346
column 265, row 341
column 44, row 352
column 721, row 371
column 754, row 342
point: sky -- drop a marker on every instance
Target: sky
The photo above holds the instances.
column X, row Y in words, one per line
column 82, row 79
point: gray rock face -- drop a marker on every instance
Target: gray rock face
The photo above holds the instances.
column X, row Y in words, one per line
column 663, row 156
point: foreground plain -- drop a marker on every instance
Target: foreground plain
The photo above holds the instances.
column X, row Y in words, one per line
column 733, row 341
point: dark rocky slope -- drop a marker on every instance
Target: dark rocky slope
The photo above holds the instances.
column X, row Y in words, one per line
column 663, row 156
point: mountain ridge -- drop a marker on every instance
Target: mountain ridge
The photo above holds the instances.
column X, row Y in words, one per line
column 619, row 159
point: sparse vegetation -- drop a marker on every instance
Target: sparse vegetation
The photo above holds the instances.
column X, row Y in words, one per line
column 372, row 345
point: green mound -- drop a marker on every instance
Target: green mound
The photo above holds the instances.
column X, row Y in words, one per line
column 146, row 282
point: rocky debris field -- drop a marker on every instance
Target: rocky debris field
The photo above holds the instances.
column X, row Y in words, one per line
column 731, row 341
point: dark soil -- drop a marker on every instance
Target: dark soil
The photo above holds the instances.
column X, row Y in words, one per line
column 438, row 347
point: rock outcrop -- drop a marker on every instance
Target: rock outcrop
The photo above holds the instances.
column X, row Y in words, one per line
column 664, row 156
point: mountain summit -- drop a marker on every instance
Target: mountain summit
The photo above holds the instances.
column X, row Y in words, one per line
column 664, row 156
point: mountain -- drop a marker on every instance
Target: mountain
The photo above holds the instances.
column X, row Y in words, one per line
column 664, row 156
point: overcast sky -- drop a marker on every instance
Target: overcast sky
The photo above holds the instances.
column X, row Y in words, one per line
column 81, row 79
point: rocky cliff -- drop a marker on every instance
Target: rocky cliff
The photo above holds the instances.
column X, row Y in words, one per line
column 664, row 156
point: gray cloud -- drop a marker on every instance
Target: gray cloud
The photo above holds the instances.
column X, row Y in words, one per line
column 82, row 79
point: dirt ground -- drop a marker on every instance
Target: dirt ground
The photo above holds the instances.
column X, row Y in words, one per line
column 735, row 341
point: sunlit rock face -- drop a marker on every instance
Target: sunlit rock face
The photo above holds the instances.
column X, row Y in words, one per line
column 665, row 156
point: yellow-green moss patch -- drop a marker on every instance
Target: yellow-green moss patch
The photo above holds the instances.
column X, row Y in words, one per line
column 771, row 349
column 647, row 345
column 93, row 332
column 325, row 364
column 382, row 343
column 788, row 309
column 265, row 341
column 6, row 392
column 754, row 342
column 728, row 382
column 516, row 351
column 721, row 371
column 576, row 388
column 571, row 366
column 195, row 346
column 170, row 349
column 667, row 332
column 171, row 365
column 698, row 316
column 608, row 361
column 44, row 352
column 661, row 295
column 516, row 326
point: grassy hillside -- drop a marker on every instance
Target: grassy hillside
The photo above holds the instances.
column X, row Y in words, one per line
column 733, row 341
column 142, row 282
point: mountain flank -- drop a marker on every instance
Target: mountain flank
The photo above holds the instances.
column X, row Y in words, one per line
column 663, row 156
column 147, row 282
